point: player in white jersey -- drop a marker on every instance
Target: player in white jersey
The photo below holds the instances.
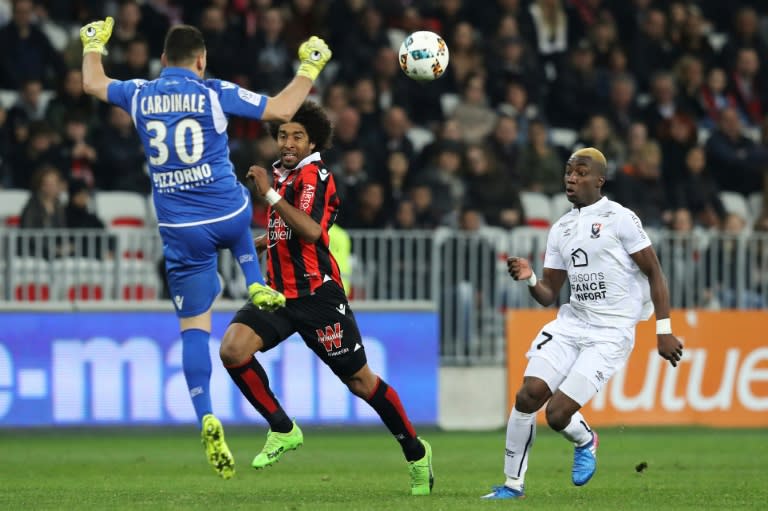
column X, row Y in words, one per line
column 615, row 277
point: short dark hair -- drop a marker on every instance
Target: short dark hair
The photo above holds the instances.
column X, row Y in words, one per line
column 183, row 43
column 314, row 119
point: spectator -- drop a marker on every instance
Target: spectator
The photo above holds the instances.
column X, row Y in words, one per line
column 420, row 193
column 516, row 104
column 495, row 195
column 390, row 83
column 364, row 99
column 29, row 106
column 335, row 99
column 223, row 62
column 27, row 54
column 541, row 164
column 269, row 47
column 39, row 150
column 369, row 212
column 394, row 128
column 136, row 62
column 553, row 32
column 746, row 86
column 576, row 93
column 679, row 136
column 397, row 178
column 44, row 209
column 651, row 49
column 351, row 176
column 70, row 100
column 745, row 34
column 690, row 77
column 504, row 149
column 444, row 175
column 466, row 54
column 694, row 41
column 736, row 162
column 727, row 286
column 121, row 163
column 697, row 191
column 473, row 112
column 511, row 63
column 714, row 97
column 620, row 109
column 599, row 134
column 77, row 154
column 639, row 187
column 663, row 105
column 126, row 30
column 78, row 216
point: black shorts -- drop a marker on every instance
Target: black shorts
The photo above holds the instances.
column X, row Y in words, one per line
column 324, row 320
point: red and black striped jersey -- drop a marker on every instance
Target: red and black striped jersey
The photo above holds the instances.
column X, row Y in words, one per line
column 296, row 267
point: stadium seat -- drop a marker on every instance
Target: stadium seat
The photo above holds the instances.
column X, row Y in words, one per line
column 138, row 279
column 537, row 209
column 559, row 205
column 29, row 279
column 419, row 137
column 121, row 209
column 563, row 137
column 82, row 279
column 734, row 202
column 448, row 103
column 12, row 201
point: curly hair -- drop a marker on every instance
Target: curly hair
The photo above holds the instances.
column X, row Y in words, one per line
column 314, row 119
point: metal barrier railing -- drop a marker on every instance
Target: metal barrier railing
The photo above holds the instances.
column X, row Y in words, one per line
column 462, row 274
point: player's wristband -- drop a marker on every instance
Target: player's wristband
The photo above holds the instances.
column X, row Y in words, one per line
column 663, row 326
column 532, row 280
column 272, row 197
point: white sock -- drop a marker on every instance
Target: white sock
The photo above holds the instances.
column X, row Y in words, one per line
column 521, row 432
column 578, row 431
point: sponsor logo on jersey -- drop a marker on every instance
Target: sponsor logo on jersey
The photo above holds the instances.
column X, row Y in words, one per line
column 596, row 230
column 330, row 337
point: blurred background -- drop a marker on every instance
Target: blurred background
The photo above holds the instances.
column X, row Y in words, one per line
column 439, row 181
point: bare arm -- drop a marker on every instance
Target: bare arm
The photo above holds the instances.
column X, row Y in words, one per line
column 282, row 106
column 95, row 81
column 547, row 288
column 669, row 347
column 300, row 222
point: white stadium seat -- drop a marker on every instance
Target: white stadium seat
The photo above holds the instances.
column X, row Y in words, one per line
column 559, row 205
column 121, row 209
column 734, row 202
column 82, row 279
column 563, row 137
column 12, row 201
column 537, row 209
column 30, row 279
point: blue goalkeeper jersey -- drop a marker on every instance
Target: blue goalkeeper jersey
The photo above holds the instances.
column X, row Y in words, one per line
column 182, row 122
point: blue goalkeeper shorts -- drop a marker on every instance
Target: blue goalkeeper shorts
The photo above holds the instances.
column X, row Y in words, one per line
column 191, row 259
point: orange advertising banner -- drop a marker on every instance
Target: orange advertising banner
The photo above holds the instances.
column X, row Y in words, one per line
column 722, row 379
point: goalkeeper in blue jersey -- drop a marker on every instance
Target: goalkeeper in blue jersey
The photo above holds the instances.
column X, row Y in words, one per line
column 201, row 207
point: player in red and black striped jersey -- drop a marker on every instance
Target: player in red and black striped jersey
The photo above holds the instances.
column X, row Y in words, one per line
column 303, row 204
column 297, row 266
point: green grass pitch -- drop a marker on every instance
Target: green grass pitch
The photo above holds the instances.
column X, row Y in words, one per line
column 346, row 470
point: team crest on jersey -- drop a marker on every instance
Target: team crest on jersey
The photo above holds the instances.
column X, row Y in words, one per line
column 596, row 230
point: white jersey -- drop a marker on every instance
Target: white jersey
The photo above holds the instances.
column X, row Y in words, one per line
column 593, row 244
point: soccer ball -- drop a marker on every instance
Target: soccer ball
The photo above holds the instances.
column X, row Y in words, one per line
column 424, row 56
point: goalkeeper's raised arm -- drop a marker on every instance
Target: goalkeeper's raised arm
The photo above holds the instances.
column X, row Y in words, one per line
column 313, row 55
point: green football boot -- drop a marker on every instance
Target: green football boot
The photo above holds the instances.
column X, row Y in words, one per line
column 422, row 476
column 277, row 444
column 216, row 450
column 265, row 298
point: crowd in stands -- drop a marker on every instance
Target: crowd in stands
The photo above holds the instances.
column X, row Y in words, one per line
column 674, row 93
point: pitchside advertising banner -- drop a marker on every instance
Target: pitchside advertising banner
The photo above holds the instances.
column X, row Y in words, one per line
column 722, row 379
column 124, row 368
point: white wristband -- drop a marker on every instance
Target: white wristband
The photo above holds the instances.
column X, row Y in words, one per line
column 663, row 326
column 532, row 280
column 272, row 197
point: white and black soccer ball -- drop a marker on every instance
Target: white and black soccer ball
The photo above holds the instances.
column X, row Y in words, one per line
column 424, row 56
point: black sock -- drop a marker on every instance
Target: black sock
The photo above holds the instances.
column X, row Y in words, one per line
column 254, row 384
column 387, row 404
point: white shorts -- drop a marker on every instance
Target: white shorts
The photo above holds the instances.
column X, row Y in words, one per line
column 576, row 357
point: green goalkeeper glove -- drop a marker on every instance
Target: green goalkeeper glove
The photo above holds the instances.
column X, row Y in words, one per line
column 314, row 54
column 95, row 35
